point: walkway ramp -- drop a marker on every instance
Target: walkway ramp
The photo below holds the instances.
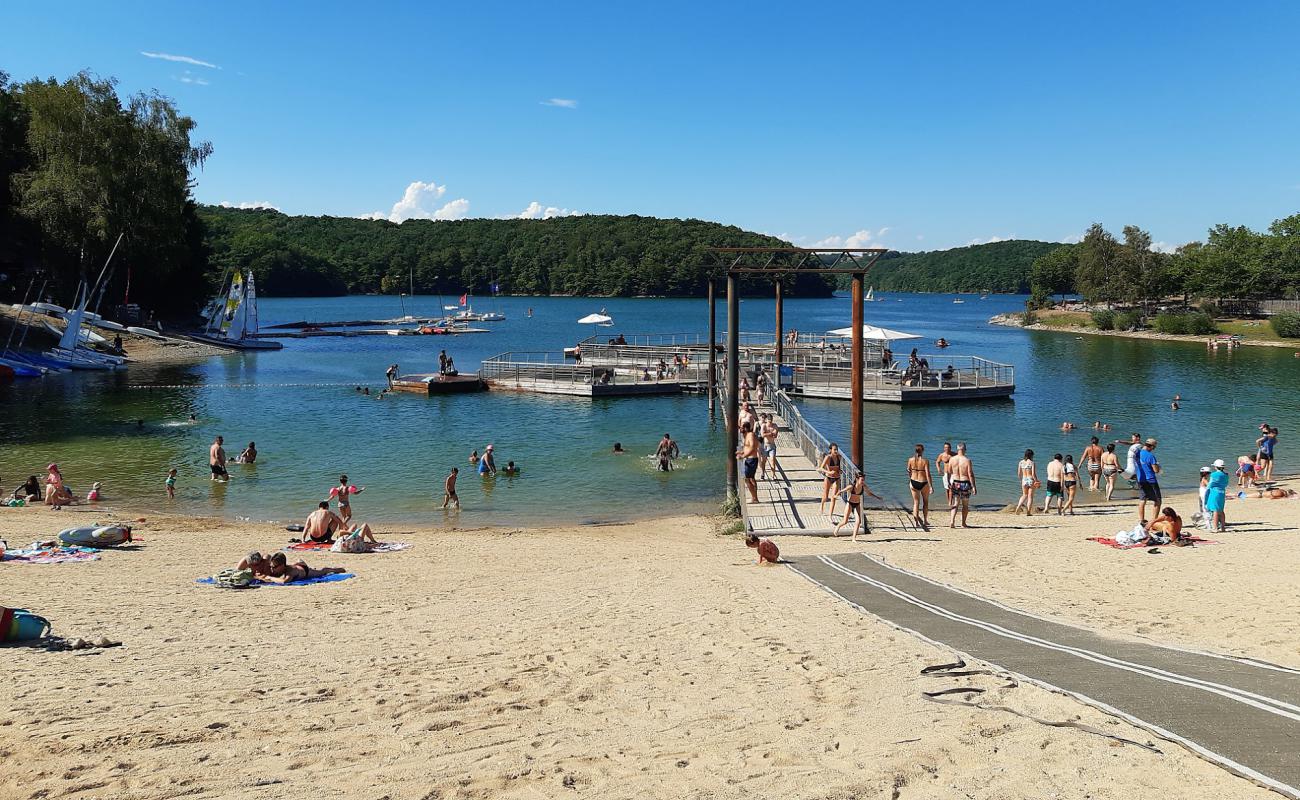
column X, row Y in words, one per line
column 790, row 504
column 1241, row 714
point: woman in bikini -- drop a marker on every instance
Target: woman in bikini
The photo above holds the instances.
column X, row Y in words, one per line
column 1071, row 485
column 1109, row 468
column 830, row 470
column 853, row 498
column 918, row 479
column 1091, row 460
column 1027, row 475
column 280, row 571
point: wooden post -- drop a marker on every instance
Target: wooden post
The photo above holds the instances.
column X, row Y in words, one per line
column 855, row 374
column 780, row 336
column 713, row 353
column 733, row 382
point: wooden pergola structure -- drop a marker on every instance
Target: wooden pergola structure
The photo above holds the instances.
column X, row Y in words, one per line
column 778, row 262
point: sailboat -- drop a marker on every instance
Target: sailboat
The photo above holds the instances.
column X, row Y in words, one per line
column 71, row 350
column 871, row 294
column 232, row 322
column 495, row 315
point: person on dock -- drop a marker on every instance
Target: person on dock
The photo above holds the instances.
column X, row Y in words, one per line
column 853, row 498
column 217, row 460
column 961, row 485
column 769, row 431
column 1091, row 460
column 442, row 363
column 768, row 552
column 1027, row 477
column 487, row 465
column 744, row 389
column 762, row 386
column 391, row 374
column 748, row 456
column 918, row 479
column 941, row 467
column 342, row 495
column 449, row 489
column 171, row 483
column 1148, row 471
column 831, row 466
column 1055, row 484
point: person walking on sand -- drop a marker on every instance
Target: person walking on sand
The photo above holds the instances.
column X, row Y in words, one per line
column 918, row 479
column 1055, row 484
column 342, row 495
column 941, row 467
column 1070, row 483
column 961, row 485
column 1091, row 461
column 768, row 553
column 449, row 489
column 1148, row 471
column 1109, row 468
column 748, row 455
column 830, row 467
column 1027, row 476
column 217, row 460
column 854, row 498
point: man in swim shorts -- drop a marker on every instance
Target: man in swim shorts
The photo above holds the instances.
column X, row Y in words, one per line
column 321, row 524
column 1055, row 479
column 769, row 432
column 748, row 454
column 961, row 480
column 217, row 460
column 941, row 467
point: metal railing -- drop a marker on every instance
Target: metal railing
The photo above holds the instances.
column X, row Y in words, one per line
column 811, row 442
column 943, row 373
column 533, row 367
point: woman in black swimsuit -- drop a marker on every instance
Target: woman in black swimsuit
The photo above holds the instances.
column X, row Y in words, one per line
column 918, row 478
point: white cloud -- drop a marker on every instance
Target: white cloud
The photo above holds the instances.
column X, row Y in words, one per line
column 1165, row 247
column 456, row 209
column 535, row 210
column 991, row 240
column 856, row 240
column 254, row 204
column 194, row 79
column 179, row 59
column 1075, row 239
column 560, row 102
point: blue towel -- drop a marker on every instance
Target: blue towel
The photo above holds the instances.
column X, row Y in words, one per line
column 338, row 576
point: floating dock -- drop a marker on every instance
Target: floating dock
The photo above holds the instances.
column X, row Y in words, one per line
column 545, row 373
column 431, row 383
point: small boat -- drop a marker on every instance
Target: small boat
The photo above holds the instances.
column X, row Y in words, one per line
column 145, row 332
column 109, row 325
column 958, row 300
column 15, row 368
column 232, row 324
column 492, row 316
column 871, row 294
column 49, row 308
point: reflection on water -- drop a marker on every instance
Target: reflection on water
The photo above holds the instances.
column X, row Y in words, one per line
column 301, row 407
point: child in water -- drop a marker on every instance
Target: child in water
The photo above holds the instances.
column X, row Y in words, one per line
column 171, row 483
column 94, row 495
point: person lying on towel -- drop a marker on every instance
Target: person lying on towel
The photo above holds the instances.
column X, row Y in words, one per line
column 280, row 571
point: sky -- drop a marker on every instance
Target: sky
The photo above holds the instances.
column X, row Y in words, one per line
column 915, row 126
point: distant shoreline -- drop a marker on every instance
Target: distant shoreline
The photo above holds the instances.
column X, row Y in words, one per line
column 1013, row 321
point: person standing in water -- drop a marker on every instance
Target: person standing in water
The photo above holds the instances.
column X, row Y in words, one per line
column 217, row 460
column 961, row 484
column 487, row 465
column 918, row 479
column 342, row 495
column 666, row 452
column 449, row 487
column 171, row 483
column 1091, row 460
column 1109, row 468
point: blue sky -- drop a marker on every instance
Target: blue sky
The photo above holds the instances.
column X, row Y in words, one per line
column 914, row 125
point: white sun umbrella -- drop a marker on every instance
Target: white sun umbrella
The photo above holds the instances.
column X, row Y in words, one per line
column 875, row 334
column 604, row 320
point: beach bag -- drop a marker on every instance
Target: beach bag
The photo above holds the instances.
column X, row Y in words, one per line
column 1129, row 538
column 233, row 578
column 21, row 625
column 349, row 543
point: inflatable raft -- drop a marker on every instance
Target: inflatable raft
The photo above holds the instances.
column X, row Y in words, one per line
column 96, row 535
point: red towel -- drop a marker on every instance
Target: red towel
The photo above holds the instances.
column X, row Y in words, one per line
column 1110, row 542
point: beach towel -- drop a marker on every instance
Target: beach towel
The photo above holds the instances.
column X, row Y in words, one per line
column 1110, row 542
column 380, row 547
column 51, row 555
column 338, row 576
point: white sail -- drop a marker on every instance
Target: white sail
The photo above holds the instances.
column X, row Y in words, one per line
column 234, row 298
column 72, row 333
column 250, row 301
column 871, row 294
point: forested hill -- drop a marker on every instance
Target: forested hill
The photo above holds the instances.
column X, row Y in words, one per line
column 586, row 255
column 995, row 267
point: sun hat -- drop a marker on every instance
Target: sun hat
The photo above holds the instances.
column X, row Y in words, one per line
column 1218, row 463
column 1151, row 441
column 489, row 447
column 1204, row 470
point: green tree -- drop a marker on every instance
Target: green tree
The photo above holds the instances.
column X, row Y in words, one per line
column 1100, row 276
column 1054, row 273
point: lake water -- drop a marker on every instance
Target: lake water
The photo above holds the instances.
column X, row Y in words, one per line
column 300, row 406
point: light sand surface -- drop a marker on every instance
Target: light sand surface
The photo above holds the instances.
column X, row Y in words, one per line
column 1237, row 597
column 645, row 660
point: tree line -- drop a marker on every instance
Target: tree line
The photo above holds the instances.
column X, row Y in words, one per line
column 80, row 166
column 1002, row 267
column 1233, row 262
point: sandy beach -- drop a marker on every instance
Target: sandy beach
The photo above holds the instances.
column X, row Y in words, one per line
column 639, row 660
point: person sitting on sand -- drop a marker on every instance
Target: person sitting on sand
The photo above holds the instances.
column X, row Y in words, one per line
column 1167, row 528
column 768, row 553
column 30, row 491
column 321, row 524
column 56, row 494
column 280, row 571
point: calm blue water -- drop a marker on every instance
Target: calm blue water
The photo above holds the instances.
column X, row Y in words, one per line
column 401, row 447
